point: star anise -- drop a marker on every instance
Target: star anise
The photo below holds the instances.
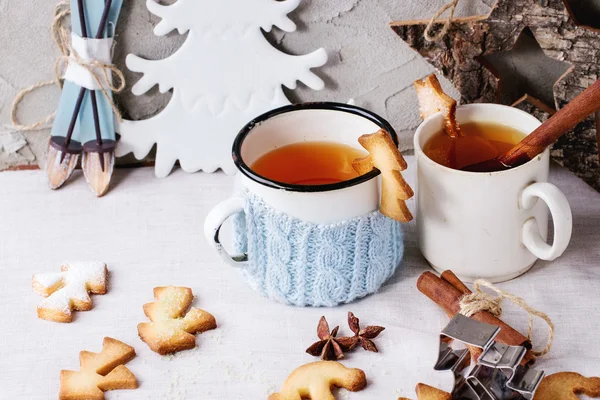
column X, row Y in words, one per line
column 363, row 336
column 329, row 347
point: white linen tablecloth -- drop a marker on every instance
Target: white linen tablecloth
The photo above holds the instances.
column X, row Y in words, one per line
column 149, row 232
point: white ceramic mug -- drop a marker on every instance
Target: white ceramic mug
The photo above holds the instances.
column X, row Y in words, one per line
column 488, row 225
column 315, row 245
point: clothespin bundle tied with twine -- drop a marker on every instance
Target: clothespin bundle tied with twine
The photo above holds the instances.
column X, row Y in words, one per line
column 479, row 300
column 86, row 64
column 99, row 70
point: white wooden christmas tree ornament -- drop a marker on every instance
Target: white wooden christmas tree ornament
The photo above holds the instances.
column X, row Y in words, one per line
column 225, row 74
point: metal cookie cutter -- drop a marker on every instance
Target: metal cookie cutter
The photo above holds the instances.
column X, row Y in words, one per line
column 497, row 375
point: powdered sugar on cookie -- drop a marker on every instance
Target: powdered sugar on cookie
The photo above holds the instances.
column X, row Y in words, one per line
column 69, row 290
column 173, row 327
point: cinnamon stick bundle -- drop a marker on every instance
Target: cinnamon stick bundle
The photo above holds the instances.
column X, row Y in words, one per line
column 446, row 291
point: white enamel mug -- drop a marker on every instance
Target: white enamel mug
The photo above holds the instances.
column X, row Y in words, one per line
column 308, row 245
column 488, row 225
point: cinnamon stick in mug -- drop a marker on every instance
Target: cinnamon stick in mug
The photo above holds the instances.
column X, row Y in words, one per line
column 582, row 106
column 447, row 292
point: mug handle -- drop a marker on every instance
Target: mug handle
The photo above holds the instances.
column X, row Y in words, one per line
column 561, row 216
column 212, row 227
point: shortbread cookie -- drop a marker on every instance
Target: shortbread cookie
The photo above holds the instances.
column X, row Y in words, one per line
column 173, row 327
column 425, row 392
column 385, row 156
column 432, row 99
column 314, row 381
column 566, row 386
column 99, row 372
column 69, row 290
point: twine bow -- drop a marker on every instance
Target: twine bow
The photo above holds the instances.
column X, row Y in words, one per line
column 100, row 71
column 481, row 301
column 435, row 37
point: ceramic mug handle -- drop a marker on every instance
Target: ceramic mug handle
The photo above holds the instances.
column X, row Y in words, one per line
column 561, row 216
column 212, row 227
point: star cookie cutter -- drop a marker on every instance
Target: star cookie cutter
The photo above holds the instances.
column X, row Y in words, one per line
column 497, row 374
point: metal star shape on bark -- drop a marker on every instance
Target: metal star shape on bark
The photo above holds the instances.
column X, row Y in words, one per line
column 526, row 73
column 585, row 13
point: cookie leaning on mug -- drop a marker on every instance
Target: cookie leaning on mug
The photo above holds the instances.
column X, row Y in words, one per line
column 385, row 156
column 433, row 99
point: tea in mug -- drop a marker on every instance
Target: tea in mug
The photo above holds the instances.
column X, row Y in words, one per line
column 482, row 141
column 309, row 163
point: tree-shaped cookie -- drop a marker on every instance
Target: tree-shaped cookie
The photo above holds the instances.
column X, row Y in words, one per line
column 425, row 392
column 69, row 290
column 385, row 156
column 314, row 381
column 173, row 327
column 566, row 386
column 433, row 99
column 99, row 372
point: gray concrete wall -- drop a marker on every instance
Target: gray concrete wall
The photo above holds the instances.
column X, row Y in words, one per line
column 367, row 61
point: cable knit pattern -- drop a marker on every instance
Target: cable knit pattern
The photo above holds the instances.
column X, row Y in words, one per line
column 305, row 264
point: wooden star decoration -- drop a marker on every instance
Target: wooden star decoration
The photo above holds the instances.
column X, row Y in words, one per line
column 469, row 39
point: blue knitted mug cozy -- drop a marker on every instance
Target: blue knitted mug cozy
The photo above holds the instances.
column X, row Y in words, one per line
column 305, row 264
